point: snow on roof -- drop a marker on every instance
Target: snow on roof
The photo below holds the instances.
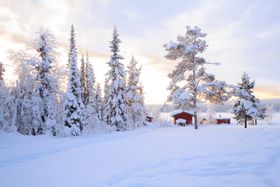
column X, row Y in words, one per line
column 180, row 120
column 173, row 113
column 223, row 116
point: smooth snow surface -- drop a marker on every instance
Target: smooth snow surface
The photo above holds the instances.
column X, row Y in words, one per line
column 212, row 156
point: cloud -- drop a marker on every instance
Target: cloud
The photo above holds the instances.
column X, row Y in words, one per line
column 268, row 91
column 242, row 35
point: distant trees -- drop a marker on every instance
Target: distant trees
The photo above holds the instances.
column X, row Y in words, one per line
column 247, row 106
column 189, row 79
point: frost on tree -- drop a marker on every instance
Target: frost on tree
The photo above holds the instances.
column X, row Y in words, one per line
column 106, row 110
column 189, row 80
column 44, row 44
column 3, row 99
column 135, row 98
column 92, row 120
column 116, row 104
column 247, row 107
column 74, row 107
column 83, row 76
column 216, row 92
column 26, row 112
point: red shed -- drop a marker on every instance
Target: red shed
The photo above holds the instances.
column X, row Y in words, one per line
column 223, row 120
column 182, row 117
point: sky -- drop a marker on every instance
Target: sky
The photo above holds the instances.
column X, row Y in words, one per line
column 242, row 36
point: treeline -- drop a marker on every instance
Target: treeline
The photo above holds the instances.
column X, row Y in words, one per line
column 36, row 103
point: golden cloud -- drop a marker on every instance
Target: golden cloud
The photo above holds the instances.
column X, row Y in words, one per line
column 268, row 91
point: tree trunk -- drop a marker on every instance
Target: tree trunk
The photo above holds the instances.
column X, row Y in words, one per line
column 195, row 96
column 195, row 120
column 245, row 123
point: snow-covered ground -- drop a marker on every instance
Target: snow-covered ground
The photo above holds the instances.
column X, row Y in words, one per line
column 214, row 156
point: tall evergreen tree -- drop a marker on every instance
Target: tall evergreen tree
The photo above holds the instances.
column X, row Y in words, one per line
column 189, row 79
column 116, row 106
column 136, row 110
column 247, row 105
column 74, row 106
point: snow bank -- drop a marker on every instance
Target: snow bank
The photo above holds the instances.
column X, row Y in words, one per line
column 211, row 156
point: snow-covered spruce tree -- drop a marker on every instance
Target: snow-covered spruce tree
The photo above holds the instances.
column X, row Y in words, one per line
column 46, row 85
column 247, row 106
column 106, row 110
column 99, row 103
column 116, row 105
column 135, row 100
column 74, row 107
column 92, row 119
column 89, row 83
column 94, row 90
column 83, row 75
column 189, row 79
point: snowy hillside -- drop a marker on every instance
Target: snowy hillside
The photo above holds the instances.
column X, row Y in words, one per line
column 212, row 156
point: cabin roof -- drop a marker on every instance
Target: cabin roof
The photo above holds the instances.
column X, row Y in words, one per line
column 181, row 120
column 174, row 113
column 223, row 118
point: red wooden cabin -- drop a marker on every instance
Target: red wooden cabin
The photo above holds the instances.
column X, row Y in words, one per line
column 180, row 115
column 223, row 120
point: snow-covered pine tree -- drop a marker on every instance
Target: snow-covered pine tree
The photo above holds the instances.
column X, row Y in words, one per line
column 89, row 82
column 45, row 89
column 99, row 103
column 216, row 92
column 92, row 119
column 116, row 105
column 135, row 98
column 74, row 107
column 3, row 97
column 83, row 75
column 247, row 106
column 106, row 110
column 189, row 77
